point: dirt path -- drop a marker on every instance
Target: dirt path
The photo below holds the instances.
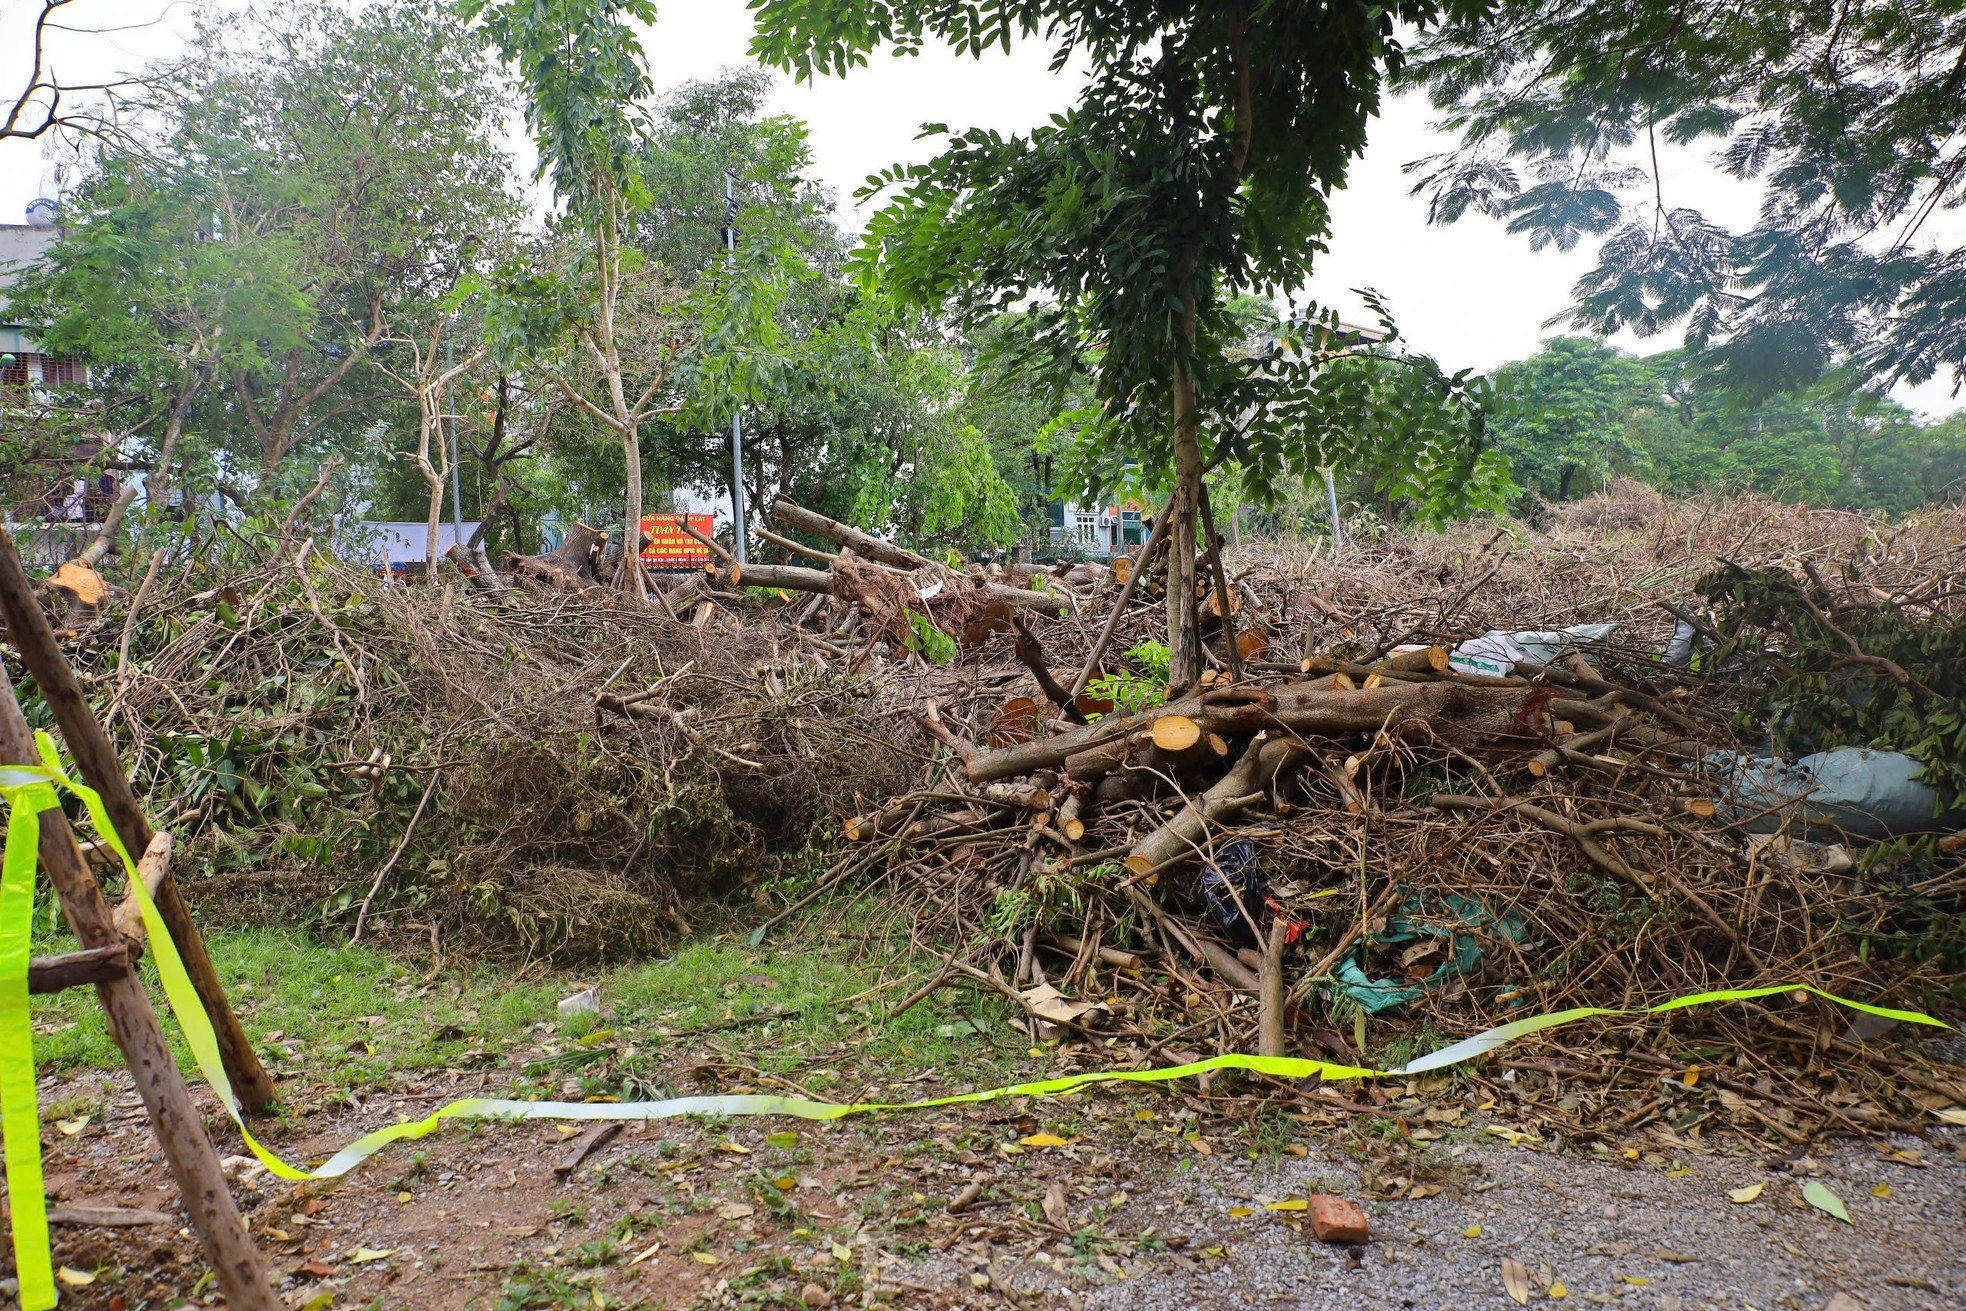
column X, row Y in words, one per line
column 1141, row 1205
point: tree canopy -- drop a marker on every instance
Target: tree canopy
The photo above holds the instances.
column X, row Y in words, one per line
column 1845, row 117
column 1194, row 167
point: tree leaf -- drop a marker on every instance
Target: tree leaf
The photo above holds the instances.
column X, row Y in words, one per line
column 1825, row 1201
column 1515, row 1281
column 1742, row 1196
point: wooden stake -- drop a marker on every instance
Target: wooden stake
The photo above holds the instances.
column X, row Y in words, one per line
column 133, row 1025
column 95, row 757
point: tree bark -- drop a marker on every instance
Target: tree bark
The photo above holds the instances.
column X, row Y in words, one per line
column 95, row 757
column 133, row 1026
column 1465, row 715
column 865, row 545
column 1236, row 791
column 1183, row 630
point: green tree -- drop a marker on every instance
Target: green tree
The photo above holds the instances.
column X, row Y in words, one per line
column 1847, row 116
column 1561, row 416
column 586, row 87
column 1193, row 168
column 352, row 164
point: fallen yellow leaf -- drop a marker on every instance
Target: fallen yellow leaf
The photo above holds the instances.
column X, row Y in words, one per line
column 403, row 1196
column 785, row 1183
column 1629, row 1154
column 1472, row 1231
column 1288, row 1204
column 72, row 1127
column 704, row 1257
column 1952, row 1115
column 734, row 1211
column 735, row 1149
column 1882, row 1190
column 1636, row 1281
column 1515, row 1281
column 567, row 1130
column 646, row 1253
column 1558, row 1292
column 75, row 1278
column 842, row 1253
column 1240, row 1212
column 1745, row 1195
column 1691, row 1077
column 364, row 1255
column 1042, row 1140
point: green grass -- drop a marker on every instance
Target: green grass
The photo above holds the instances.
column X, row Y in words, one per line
column 810, row 1011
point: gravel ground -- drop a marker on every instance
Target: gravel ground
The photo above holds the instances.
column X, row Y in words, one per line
column 1600, row 1230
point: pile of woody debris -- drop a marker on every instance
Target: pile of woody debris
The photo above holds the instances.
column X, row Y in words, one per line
column 1383, row 816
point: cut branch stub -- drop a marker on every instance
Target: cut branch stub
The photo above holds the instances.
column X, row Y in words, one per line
column 1175, row 732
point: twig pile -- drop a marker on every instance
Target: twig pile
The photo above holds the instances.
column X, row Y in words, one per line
column 592, row 766
column 1352, row 849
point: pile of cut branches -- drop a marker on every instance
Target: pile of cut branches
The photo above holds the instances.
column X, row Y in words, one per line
column 553, row 773
column 1358, row 851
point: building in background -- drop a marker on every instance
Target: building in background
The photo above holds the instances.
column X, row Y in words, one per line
column 53, row 494
column 22, row 364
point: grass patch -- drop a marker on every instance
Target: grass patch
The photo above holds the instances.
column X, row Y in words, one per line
column 810, row 1012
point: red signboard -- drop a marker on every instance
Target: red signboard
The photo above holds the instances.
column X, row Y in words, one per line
column 669, row 547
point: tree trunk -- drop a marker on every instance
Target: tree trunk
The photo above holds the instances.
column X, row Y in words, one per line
column 633, row 579
column 433, row 474
column 1466, row 716
column 1183, row 632
column 864, row 544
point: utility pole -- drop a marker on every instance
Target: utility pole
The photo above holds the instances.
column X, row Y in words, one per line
column 736, row 413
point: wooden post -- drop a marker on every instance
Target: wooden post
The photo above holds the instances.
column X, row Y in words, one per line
column 133, row 1025
column 95, row 756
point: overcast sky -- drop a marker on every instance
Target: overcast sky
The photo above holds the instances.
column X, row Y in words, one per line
column 1470, row 294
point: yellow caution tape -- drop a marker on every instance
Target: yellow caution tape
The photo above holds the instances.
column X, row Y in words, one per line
column 31, row 790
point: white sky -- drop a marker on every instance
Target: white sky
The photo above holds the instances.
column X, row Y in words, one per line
column 1469, row 294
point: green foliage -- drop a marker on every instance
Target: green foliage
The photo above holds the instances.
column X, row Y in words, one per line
column 935, row 646
column 586, row 81
column 1191, row 173
column 1052, row 896
column 307, row 175
column 1152, row 658
column 1561, row 416
column 1842, row 115
column 1131, row 691
column 1578, row 412
column 1794, row 639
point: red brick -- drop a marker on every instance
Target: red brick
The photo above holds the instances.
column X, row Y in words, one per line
column 1335, row 1220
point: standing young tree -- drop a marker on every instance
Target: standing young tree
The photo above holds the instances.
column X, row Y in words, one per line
column 586, row 84
column 427, row 381
column 1194, row 167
